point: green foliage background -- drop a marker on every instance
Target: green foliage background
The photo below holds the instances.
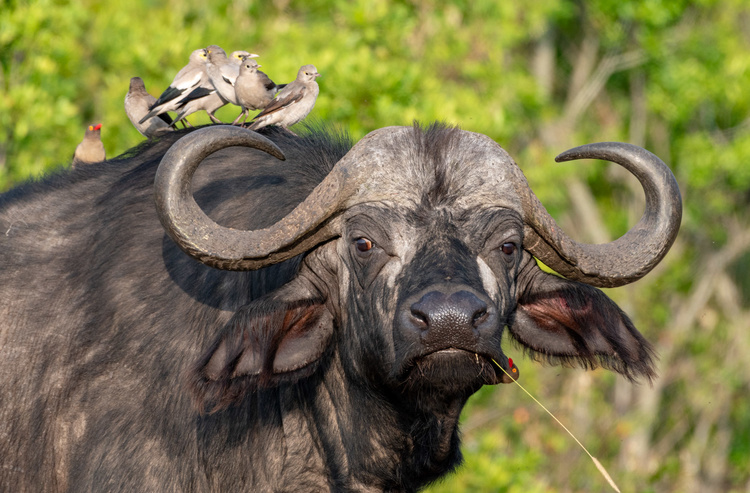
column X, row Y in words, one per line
column 538, row 77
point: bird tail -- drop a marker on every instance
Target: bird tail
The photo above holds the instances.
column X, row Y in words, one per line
column 150, row 114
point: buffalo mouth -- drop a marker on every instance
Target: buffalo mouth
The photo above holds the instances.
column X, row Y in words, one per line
column 453, row 369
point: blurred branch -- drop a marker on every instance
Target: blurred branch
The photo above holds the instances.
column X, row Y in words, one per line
column 585, row 85
column 585, row 208
column 708, row 277
column 716, row 458
column 583, row 65
column 636, row 447
column 543, row 64
column 699, row 449
column 727, row 134
column 593, row 86
column 670, row 439
column 638, row 109
column 3, row 156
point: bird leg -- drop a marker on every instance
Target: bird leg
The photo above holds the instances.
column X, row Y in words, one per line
column 244, row 113
column 238, row 117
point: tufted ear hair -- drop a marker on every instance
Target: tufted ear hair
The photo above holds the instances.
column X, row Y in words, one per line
column 569, row 322
column 270, row 341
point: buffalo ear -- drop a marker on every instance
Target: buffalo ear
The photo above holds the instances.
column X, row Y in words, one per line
column 266, row 343
column 569, row 322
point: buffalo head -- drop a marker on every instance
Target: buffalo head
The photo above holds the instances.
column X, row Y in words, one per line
column 418, row 252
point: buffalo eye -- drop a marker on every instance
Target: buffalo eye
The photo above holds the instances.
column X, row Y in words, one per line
column 363, row 245
column 508, row 248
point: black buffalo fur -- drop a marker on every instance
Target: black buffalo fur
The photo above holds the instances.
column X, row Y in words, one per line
column 129, row 366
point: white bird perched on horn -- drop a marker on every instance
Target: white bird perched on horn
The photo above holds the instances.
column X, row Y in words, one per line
column 187, row 79
column 205, row 97
column 293, row 103
column 237, row 57
column 137, row 103
column 223, row 72
column 200, row 98
column 253, row 88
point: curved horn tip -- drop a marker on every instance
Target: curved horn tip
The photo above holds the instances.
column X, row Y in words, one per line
column 593, row 151
column 238, row 133
column 569, row 155
column 272, row 149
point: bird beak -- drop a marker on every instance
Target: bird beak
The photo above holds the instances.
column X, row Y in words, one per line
column 252, row 55
column 98, row 126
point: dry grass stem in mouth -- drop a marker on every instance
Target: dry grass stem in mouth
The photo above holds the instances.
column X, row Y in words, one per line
column 594, row 459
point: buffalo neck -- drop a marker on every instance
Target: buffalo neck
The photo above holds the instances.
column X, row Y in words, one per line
column 379, row 439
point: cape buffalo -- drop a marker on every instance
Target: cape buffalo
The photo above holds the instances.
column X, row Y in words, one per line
column 309, row 324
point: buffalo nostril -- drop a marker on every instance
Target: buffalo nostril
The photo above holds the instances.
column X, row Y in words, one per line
column 419, row 319
column 424, row 311
column 479, row 317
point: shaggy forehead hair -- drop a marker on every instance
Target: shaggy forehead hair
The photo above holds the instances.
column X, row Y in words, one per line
column 437, row 166
column 436, row 158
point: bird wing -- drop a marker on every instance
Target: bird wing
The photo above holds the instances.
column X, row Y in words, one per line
column 268, row 84
column 283, row 101
column 166, row 118
column 197, row 93
column 168, row 95
column 229, row 73
column 177, row 89
column 190, row 80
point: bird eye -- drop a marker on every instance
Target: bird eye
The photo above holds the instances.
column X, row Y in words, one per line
column 363, row 244
column 509, row 248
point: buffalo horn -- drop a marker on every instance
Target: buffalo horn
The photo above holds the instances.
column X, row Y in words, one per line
column 631, row 256
column 232, row 249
